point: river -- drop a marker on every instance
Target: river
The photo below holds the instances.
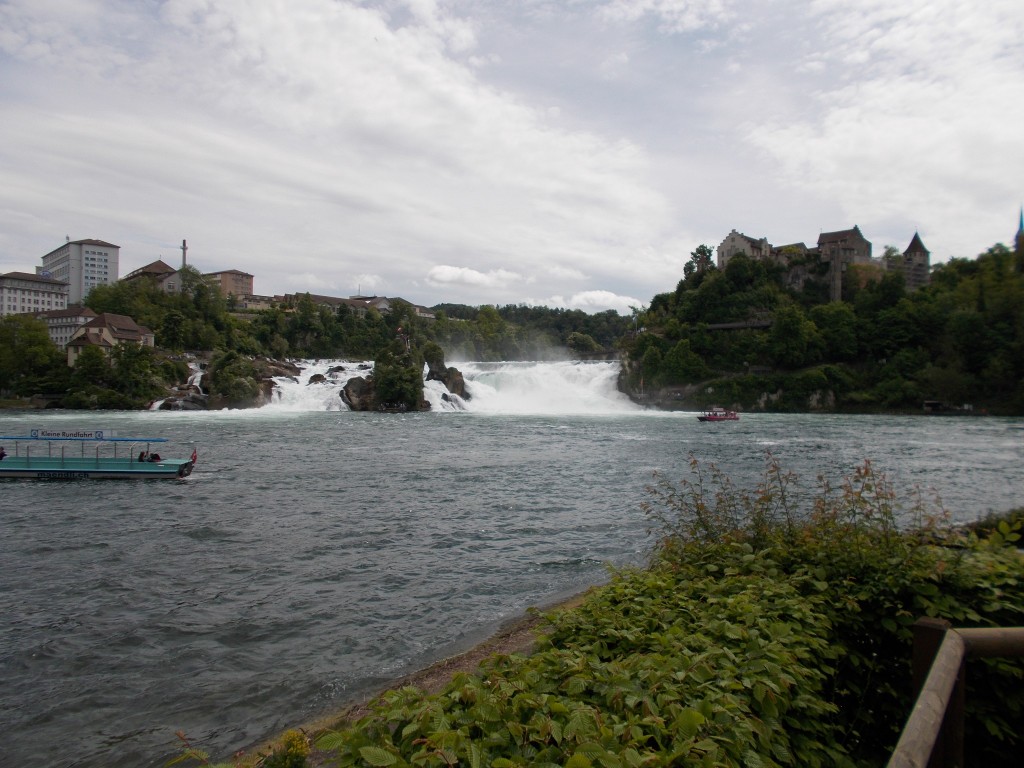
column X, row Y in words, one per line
column 315, row 554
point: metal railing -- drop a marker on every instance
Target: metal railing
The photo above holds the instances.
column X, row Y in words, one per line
column 934, row 733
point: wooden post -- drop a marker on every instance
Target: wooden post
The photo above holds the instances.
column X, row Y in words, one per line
column 928, row 634
column 949, row 746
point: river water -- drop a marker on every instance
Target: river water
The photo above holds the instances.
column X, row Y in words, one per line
column 315, row 553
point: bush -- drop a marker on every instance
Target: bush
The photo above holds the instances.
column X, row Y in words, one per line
column 772, row 628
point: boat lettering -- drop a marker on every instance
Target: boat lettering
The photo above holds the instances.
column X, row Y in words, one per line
column 73, row 434
column 61, row 475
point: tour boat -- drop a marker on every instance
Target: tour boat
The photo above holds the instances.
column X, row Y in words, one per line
column 719, row 414
column 52, row 454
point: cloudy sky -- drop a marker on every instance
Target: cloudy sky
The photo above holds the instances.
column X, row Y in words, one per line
column 568, row 153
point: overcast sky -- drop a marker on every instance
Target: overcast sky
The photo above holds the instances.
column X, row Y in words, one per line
column 564, row 153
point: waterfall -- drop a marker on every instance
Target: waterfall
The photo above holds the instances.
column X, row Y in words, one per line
column 499, row 388
column 545, row 387
column 318, row 386
column 195, row 380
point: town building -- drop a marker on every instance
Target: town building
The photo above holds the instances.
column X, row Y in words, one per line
column 63, row 323
column 255, row 303
column 166, row 277
column 231, row 282
column 82, row 264
column 21, row 293
column 107, row 331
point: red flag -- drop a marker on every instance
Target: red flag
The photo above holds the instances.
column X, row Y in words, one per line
column 193, row 455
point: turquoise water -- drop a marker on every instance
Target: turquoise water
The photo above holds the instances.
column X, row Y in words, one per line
column 316, row 554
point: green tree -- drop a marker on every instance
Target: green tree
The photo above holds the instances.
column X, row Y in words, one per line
column 582, row 343
column 795, row 340
column 28, row 358
column 837, row 324
column 92, row 368
column 398, row 381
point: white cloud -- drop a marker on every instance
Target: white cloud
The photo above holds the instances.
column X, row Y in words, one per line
column 574, row 150
column 496, row 278
column 673, row 15
column 588, row 301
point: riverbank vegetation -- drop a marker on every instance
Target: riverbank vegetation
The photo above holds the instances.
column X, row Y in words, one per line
column 747, row 337
column 771, row 628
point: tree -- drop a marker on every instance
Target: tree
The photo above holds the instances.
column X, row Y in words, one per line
column 582, row 343
column 91, row 368
column 397, row 381
column 701, row 260
column 838, row 327
column 795, row 340
column 28, row 357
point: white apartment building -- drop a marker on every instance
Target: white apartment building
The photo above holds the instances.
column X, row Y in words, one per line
column 82, row 264
column 21, row 292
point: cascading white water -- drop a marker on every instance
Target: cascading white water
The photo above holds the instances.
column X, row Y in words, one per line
column 545, row 387
column 318, row 386
column 196, row 379
column 514, row 388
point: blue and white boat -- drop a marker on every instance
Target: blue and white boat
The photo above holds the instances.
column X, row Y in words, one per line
column 53, row 454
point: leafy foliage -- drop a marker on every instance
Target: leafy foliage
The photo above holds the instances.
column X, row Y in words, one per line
column 771, row 629
column 958, row 340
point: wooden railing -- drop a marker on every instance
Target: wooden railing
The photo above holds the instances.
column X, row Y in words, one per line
column 934, row 734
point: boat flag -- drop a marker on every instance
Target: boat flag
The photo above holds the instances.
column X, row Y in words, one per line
column 193, row 455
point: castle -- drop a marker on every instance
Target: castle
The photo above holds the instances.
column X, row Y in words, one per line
column 835, row 252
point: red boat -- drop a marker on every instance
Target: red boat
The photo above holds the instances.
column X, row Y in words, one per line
column 719, row 414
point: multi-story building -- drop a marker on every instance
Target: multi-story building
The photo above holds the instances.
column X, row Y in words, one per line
column 736, row 242
column 231, row 282
column 107, row 331
column 82, row 264
column 63, row 323
column 21, row 292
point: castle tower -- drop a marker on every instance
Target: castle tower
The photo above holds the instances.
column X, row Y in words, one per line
column 916, row 264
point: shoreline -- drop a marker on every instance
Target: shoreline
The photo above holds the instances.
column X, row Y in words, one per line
column 516, row 635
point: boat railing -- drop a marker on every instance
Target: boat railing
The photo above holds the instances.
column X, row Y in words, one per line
column 23, row 450
column 934, row 733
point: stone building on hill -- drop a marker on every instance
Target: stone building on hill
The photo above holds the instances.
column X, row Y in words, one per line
column 914, row 265
column 830, row 259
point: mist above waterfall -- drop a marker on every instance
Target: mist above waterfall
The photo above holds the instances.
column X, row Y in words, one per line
column 516, row 388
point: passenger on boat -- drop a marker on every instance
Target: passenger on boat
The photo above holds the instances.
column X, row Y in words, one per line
column 142, row 455
column 154, row 457
column 2, row 453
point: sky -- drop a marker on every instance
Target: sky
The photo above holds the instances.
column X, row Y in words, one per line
column 566, row 154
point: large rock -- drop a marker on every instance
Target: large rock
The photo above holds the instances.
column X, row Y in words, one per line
column 452, row 378
column 358, row 393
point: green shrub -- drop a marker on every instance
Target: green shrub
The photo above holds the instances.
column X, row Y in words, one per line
column 772, row 628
